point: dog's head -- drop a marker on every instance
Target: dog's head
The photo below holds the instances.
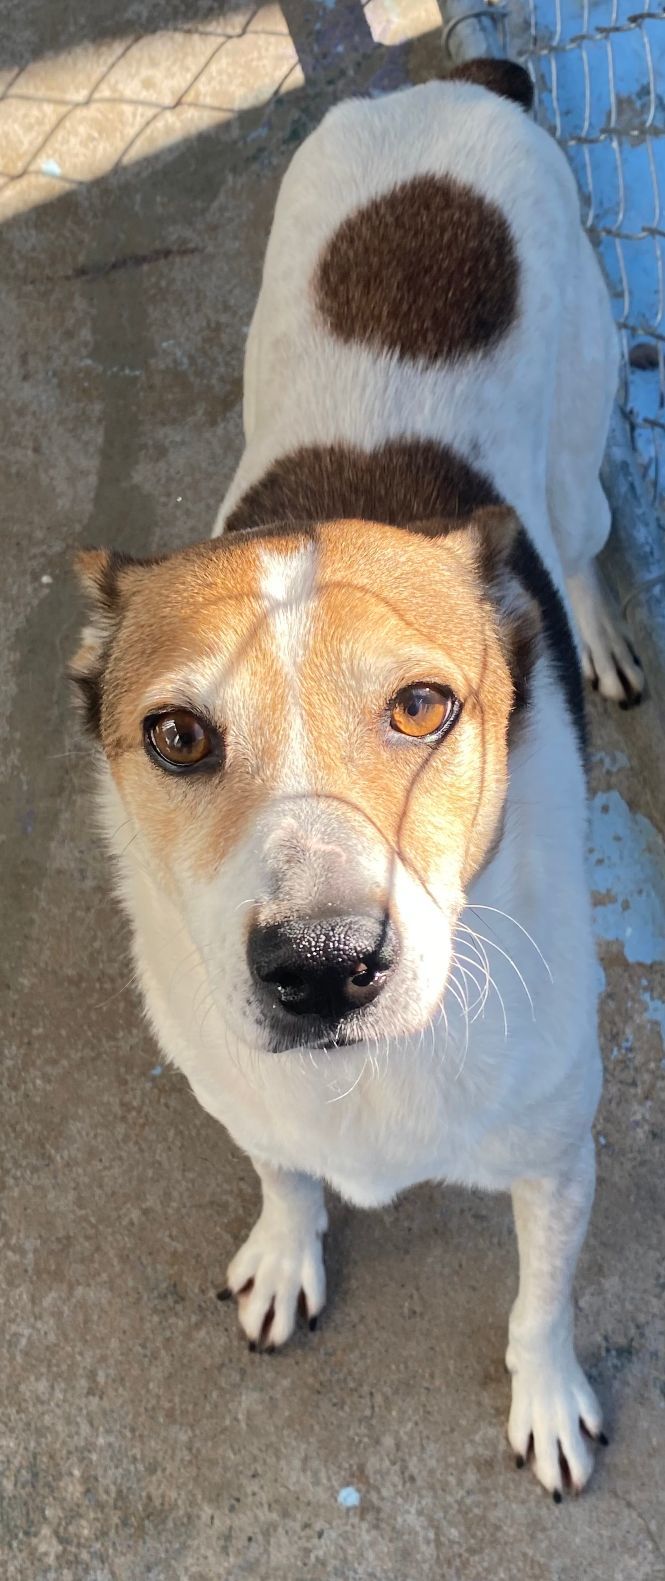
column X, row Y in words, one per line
column 308, row 729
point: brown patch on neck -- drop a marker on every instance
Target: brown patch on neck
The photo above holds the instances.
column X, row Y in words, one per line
column 428, row 271
column 401, row 482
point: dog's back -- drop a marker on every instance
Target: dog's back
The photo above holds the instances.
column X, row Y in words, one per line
column 425, row 277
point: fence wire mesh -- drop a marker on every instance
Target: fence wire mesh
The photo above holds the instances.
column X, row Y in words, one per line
column 86, row 111
column 598, row 68
column 69, row 118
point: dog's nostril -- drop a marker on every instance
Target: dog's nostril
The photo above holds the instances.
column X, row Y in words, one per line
column 325, row 967
column 364, row 986
column 290, row 987
column 362, row 976
column 282, row 979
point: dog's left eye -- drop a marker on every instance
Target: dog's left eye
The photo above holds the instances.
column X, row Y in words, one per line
column 180, row 741
column 423, row 712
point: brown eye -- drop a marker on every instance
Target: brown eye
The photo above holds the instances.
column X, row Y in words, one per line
column 423, row 712
column 179, row 740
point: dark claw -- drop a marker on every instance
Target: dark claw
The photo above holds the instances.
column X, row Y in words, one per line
column 252, row 1346
column 596, row 1438
column 267, row 1323
column 631, row 699
column 565, row 1469
column 312, row 1324
column 225, row 1295
column 557, row 1497
column 520, row 1462
column 270, row 1350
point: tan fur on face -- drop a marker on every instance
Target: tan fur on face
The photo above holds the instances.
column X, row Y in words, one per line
column 388, row 608
column 436, row 807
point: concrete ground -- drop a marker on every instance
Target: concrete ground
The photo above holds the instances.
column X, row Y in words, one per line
column 139, row 1438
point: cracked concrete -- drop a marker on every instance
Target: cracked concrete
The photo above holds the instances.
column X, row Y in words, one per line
column 140, row 1440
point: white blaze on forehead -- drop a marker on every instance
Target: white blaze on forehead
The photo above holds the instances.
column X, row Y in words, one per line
column 288, row 587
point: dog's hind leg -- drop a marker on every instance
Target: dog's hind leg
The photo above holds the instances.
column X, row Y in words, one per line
column 554, row 1410
column 586, row 382
column 609, row 659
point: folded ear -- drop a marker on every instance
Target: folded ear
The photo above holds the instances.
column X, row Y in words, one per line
column 108, row 579
column 486, row 541
column 495, row 546
column 492, row 547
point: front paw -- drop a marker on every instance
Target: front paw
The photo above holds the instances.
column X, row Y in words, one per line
column 555, row 1413
column 276, row 1274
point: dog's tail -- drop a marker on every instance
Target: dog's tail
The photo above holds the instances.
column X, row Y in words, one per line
column 504, row 77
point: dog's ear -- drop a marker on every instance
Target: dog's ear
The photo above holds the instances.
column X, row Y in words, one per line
column 494, row 549
column 503, row 558
column 108, row 579
column 485, row 542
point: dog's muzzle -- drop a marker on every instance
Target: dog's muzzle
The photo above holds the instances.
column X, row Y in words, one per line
column 315, row 977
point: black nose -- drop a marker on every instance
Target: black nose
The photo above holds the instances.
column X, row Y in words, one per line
column 325, row 966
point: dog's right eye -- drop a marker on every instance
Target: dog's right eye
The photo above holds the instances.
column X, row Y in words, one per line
column 181, row 741
column 424, row 712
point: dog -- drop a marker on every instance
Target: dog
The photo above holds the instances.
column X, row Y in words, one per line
column 342, row 743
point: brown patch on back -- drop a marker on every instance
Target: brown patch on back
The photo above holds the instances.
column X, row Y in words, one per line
column 428, row 270
column 403, row 481
column 504, row 77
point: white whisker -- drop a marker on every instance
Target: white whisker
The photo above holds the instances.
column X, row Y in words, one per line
column 481, row 993
column 350, row 1089
column 494, row 946
column 478, row 907
column 489, row 980
column 453, row 984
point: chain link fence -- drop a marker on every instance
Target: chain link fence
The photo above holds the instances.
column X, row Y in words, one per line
column 598, row 68
column 92, row 106
column 72, row 117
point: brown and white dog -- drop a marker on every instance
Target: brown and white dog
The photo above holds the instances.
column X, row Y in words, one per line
column 343, row 743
